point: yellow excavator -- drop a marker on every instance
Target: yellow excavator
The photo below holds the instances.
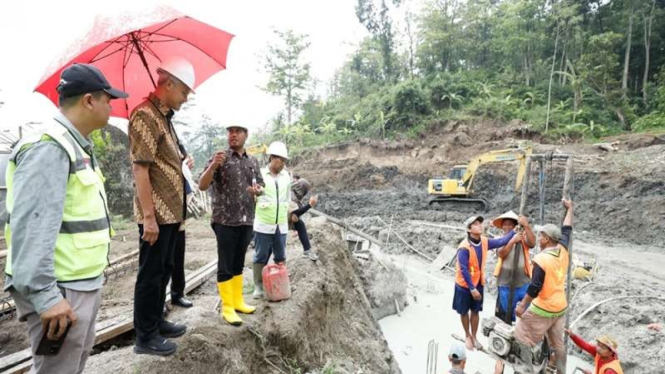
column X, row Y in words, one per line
column 256, row 149
column 458, row 186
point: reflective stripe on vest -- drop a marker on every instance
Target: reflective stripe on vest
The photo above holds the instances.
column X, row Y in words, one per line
column 554, row 262
column 614, row 365
column 527, row 263
column 82, row 245
column 476, row 269
column 273, row 205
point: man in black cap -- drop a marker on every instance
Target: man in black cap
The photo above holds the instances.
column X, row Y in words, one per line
column 58, row 232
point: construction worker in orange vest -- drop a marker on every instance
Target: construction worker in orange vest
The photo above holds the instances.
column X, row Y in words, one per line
column 470, row 278
column 606, row 357
column 546, row 295
column 504, row 271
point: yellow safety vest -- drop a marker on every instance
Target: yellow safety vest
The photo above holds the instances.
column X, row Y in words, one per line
column 82, row 246
column 272, row 206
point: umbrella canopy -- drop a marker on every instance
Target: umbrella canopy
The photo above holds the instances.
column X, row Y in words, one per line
column 129, row 49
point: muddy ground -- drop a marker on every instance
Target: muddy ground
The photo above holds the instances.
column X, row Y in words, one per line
column 619, row 195
column 380, row 187
column 118, row 293
column 326, row 327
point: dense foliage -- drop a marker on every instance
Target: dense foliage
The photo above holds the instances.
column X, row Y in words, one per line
column 569, row 68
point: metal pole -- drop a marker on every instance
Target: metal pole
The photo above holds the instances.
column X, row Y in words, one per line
column 517, row 250
column 541, row 190
column 135, row 41
column 567, row 194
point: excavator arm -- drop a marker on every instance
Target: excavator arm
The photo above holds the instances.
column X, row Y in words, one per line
column 504, row 155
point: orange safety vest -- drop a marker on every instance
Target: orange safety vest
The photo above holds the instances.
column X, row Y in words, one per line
column 476, row 268
column 552, row 297
column 527, row 263
column 614, row 365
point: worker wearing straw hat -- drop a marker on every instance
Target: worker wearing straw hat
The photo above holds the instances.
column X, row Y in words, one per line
column 606, row 357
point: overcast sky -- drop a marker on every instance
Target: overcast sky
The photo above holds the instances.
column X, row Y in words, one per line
column 34, row 33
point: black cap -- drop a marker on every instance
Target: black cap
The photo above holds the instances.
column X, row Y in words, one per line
column 80, row 79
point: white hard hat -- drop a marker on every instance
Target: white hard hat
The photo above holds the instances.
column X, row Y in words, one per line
column 181, row 69
column 278, row 149
column 235, row 125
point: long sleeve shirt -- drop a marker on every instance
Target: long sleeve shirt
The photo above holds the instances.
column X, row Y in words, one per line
column 302, row 210
column 463, row 256
column 591, row 349
column 39, row 191
column 538, row 274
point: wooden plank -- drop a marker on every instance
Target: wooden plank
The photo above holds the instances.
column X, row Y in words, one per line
column 3, row 253
column 20, row 369
column 14, row 359
column 122, row 258
column 16, row 363
column 116, row 265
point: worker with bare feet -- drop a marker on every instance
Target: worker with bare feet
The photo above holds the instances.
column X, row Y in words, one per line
column 546, row 294
column 470, row 278
column 606, row 357
column 506, row 274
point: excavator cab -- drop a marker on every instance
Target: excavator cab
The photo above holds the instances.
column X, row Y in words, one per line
column 453, row 185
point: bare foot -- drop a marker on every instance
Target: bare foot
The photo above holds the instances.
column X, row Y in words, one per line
column 477, row 345
column 469, row 343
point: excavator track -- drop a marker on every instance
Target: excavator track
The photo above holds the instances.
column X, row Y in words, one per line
column 440, row 201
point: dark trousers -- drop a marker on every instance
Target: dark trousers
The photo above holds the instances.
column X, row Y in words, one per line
column 178, row 277
column 302, row 234
column 155, row 267
column 232, row 243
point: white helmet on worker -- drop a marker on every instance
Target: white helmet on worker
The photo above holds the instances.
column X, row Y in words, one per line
column 181, row 69
column 278, row 149
column 236, row 126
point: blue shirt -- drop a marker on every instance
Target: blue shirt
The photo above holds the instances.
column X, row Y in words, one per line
column 463, row 256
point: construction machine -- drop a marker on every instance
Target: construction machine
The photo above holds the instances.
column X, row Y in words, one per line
column 256, row 149
column 458, row 186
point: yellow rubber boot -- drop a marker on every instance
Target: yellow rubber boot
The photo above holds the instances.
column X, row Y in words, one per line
column 238, row 299
column 228, row 311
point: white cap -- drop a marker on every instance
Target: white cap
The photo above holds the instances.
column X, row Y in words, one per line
column 457, row 351
column 278, row 149
column 181, row 69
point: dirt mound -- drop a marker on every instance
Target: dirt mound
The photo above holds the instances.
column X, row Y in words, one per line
column 326, row 326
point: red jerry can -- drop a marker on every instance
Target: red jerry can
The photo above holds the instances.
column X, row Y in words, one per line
column 276, row 282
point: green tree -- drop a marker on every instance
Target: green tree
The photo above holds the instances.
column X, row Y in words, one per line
column 379, row 24
column 289, row 74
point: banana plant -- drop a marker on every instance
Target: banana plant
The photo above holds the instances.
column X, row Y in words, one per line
column 452, row 97
column 529, row 98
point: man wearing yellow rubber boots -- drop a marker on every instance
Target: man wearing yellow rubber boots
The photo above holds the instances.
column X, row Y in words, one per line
column 236, row 180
